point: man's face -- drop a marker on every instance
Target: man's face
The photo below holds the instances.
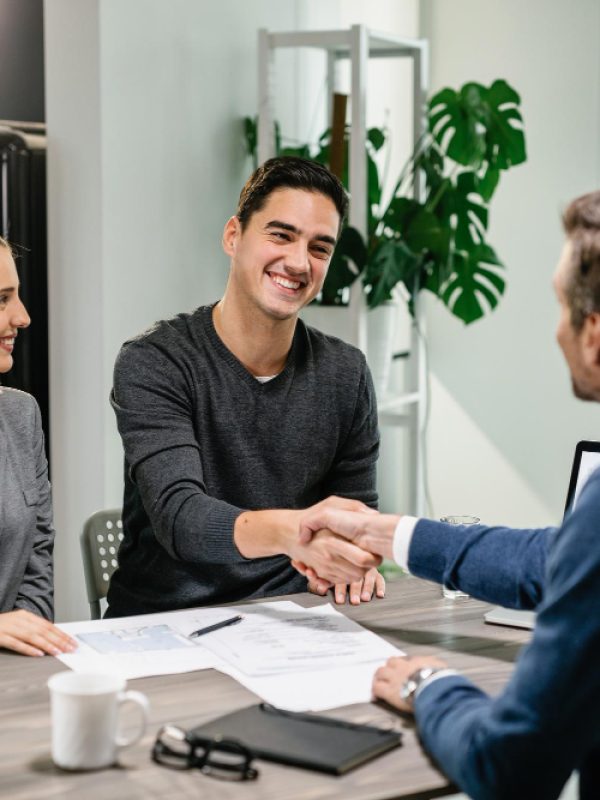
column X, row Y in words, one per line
column 279, row 262
column 579, row 347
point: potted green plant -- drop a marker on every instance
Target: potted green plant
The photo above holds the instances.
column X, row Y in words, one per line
column 438, row 243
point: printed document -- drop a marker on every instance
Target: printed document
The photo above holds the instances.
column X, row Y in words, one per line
column 281, row 636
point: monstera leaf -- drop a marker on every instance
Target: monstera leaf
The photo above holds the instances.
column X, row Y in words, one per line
column 479, row 128
column 392, row 262
column 473, row 287
column 468, row 215
column 348, row 261
column 419, row 228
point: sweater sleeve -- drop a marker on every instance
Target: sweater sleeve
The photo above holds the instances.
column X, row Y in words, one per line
column 153, row 405
column 498, row 565
column 527, row 741
column 353, row 474
column 36, row 592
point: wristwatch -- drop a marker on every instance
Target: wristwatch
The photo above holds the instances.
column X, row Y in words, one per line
column 414, row 680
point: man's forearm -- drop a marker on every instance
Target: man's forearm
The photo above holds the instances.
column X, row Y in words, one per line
column 258, row 534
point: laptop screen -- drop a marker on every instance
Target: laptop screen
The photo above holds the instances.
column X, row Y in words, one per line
column 585, row 461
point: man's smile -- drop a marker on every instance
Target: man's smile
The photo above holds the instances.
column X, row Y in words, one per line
column 289, row 285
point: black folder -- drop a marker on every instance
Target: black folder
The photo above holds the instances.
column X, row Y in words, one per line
column 301, row 740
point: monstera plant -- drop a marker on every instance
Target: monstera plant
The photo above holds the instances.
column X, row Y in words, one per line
column 438, row 243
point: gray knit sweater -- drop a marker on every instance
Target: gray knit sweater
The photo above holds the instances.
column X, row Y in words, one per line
column 204, row 440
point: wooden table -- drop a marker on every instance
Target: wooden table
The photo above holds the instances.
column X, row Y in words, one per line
column 413, row 616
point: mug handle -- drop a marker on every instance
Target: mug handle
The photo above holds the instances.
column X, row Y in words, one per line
column 141, row 701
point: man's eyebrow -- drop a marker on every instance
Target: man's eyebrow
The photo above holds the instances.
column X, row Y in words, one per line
column 286, row 226
column 8, row 290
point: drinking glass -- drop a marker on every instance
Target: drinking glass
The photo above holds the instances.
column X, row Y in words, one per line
column 457, row 519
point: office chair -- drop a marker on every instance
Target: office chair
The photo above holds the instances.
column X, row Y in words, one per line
column 100, row 540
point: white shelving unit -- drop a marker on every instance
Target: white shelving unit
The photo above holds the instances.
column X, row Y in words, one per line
column 358, row 44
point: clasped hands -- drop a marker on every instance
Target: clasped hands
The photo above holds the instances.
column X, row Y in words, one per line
column 334, row 550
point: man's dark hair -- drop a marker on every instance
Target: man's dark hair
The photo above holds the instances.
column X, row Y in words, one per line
column 290, row 172
column 581, row 222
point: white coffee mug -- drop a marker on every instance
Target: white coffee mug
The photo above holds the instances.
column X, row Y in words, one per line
column 85, row 711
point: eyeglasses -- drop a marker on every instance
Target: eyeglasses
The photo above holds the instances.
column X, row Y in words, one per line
column 226, row 759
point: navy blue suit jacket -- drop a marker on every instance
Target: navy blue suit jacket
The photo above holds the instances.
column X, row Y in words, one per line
column 546, row 723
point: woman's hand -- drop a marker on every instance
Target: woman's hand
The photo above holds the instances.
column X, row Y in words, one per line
column 30, row 635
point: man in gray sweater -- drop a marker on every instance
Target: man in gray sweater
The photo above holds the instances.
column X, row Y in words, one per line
column 236, row 417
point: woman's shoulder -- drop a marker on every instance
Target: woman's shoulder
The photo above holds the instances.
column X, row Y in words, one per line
column 18, row 404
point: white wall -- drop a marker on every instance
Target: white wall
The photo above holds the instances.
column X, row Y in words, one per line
column 145, row 165
column 503, row 417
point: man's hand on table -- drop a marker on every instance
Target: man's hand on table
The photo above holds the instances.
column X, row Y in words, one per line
column 30, row 635
column 389, row 679
column 372, row 585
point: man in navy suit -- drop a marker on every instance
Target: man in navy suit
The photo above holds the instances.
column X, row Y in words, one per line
column 546, row 723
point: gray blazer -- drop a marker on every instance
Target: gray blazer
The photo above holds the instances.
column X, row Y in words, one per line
column 26, row 530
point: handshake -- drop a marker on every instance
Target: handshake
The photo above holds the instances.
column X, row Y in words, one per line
column 339, row 541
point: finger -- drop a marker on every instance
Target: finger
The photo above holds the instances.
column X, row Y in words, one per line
column 18, row 646
column 44, row 635
column 341, row 521
column 347, row 504
column 355, row 555
column 340, row 593
column 368, row 586
column 61, row 640
column 318, row 587
column 356, row 591
column 379, row 585
column 300, row 567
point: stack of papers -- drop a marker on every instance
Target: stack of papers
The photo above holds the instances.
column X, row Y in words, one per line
column 299, row 659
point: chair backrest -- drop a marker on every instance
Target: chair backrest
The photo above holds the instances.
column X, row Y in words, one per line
column 100, row 539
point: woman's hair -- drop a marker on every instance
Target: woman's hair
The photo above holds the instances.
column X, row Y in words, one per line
column 4, row 243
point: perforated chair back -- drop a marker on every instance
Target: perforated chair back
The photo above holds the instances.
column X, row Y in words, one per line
column 102, row 534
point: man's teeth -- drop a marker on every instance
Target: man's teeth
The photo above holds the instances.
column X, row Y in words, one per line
column 284, row 282
column 8, row 340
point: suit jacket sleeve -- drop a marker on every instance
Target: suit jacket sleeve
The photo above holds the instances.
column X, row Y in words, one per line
column 36, row 592
column 525, row 742
column 499, row 565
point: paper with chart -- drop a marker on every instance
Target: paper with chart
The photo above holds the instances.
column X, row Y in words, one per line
column 148, row 644
column 299, row 659
column 280, row 637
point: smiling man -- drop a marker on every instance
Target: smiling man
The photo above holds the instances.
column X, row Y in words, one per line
column 237, row 416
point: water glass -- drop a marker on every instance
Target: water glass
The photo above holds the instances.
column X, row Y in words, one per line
column 457, row 519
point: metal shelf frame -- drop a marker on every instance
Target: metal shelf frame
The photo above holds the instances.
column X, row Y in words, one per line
column 358, row 44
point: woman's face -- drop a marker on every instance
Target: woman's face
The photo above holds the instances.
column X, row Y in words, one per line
column 12, row 311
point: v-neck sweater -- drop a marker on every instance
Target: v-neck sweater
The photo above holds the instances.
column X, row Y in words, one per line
column 204, row 441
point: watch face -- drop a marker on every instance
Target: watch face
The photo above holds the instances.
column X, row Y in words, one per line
column 408, row 689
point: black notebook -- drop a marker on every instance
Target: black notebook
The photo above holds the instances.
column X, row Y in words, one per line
column 302, row 740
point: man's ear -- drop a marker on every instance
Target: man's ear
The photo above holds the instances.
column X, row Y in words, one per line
column 231, row 233
column 590, row 341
